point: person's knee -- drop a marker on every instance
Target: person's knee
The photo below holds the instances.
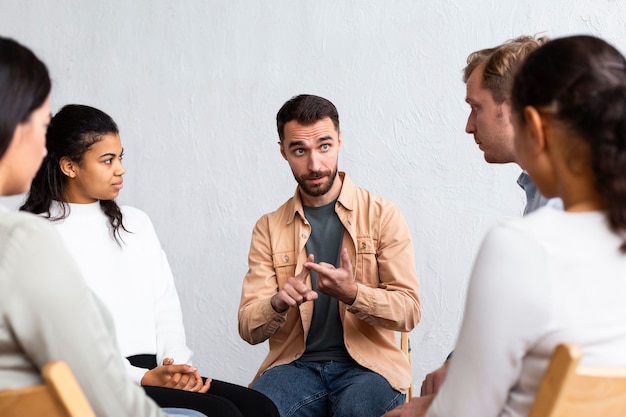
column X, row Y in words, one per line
column 293, row 389
column 368, row 394
column 366, row 406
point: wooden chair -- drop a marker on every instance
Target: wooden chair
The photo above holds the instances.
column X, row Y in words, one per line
column 59, row 396
column 405, row 346
column 572, row 390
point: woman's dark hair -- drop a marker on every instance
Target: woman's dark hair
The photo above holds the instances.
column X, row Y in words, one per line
column 24, row 87
column 582, row 81
column 72, row 131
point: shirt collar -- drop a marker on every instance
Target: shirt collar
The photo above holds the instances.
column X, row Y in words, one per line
column 346, row 198
column 524, row 180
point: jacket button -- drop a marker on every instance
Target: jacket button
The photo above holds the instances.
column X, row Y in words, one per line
column 286, row 259
column 303, row 236
column 363, row 245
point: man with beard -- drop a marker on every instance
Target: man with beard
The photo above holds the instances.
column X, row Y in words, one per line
column 331, row 280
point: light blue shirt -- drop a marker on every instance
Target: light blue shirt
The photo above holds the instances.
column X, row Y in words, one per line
column 534, row 199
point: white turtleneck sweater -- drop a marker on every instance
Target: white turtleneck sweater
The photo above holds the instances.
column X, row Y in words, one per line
column 132, row 278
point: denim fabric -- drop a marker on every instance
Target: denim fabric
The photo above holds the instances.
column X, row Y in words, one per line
column 314, row 389
column 181, row 412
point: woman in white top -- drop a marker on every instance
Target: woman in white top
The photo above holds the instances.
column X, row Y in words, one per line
column 122, row 260
column 47, row 312
column 554, row 276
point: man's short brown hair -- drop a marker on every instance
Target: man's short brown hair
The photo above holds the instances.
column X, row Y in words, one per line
column 501, row 63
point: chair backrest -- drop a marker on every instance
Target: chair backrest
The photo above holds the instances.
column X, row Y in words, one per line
column 572, row 390
column 59, row 396
column 405, row 346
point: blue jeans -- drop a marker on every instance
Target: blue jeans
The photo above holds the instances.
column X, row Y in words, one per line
column 182, row 412
column 318, row 389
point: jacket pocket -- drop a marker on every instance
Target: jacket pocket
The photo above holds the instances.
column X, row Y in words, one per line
column 366, row 262
column 284, row 265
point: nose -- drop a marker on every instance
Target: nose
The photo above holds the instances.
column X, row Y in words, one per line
column 119, row 169
column 314, row 162
column 470, row 126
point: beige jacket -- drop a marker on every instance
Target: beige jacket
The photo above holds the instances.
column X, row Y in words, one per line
column 381, row 251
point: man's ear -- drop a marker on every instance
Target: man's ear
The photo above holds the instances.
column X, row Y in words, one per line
column 282, row 149
column 537, row 127
column 67, row 167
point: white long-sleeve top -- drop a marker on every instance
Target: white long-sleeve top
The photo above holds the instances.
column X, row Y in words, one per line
column 133, row 279
column 551, row 277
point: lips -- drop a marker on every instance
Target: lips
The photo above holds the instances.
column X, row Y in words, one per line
column 316, row 180
column 118, row 185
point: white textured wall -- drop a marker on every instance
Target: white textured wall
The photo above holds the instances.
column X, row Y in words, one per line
column 195, row 85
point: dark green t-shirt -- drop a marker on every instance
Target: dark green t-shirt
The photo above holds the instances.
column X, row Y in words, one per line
column 325, row 339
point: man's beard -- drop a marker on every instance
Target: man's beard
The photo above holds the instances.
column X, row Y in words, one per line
column 320, row 189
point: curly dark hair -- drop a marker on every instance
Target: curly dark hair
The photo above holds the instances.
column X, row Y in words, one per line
column 582, row 79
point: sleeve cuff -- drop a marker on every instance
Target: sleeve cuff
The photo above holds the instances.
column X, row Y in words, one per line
column 275, row 320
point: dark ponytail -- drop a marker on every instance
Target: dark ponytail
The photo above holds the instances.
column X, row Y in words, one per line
column 582, row 81
column 608, row 157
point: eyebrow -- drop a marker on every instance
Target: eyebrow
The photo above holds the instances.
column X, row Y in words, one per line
column 297, row 143
column 109, row 154
column 474, row 103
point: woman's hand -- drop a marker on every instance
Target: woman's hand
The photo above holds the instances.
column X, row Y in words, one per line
column 169, row 375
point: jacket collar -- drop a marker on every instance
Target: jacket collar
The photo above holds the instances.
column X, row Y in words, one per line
column 346, row 198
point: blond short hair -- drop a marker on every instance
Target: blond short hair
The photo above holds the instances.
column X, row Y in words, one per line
column 501, row 64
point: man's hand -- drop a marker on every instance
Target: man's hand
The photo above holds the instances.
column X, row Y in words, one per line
column 416, row 407
column 433, row 380
column 169, row 375
column 336, row 282
column 294, row 292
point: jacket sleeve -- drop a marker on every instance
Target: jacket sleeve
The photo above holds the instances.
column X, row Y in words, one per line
column 53, row 315
column 392, row 301
column 258, row 321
